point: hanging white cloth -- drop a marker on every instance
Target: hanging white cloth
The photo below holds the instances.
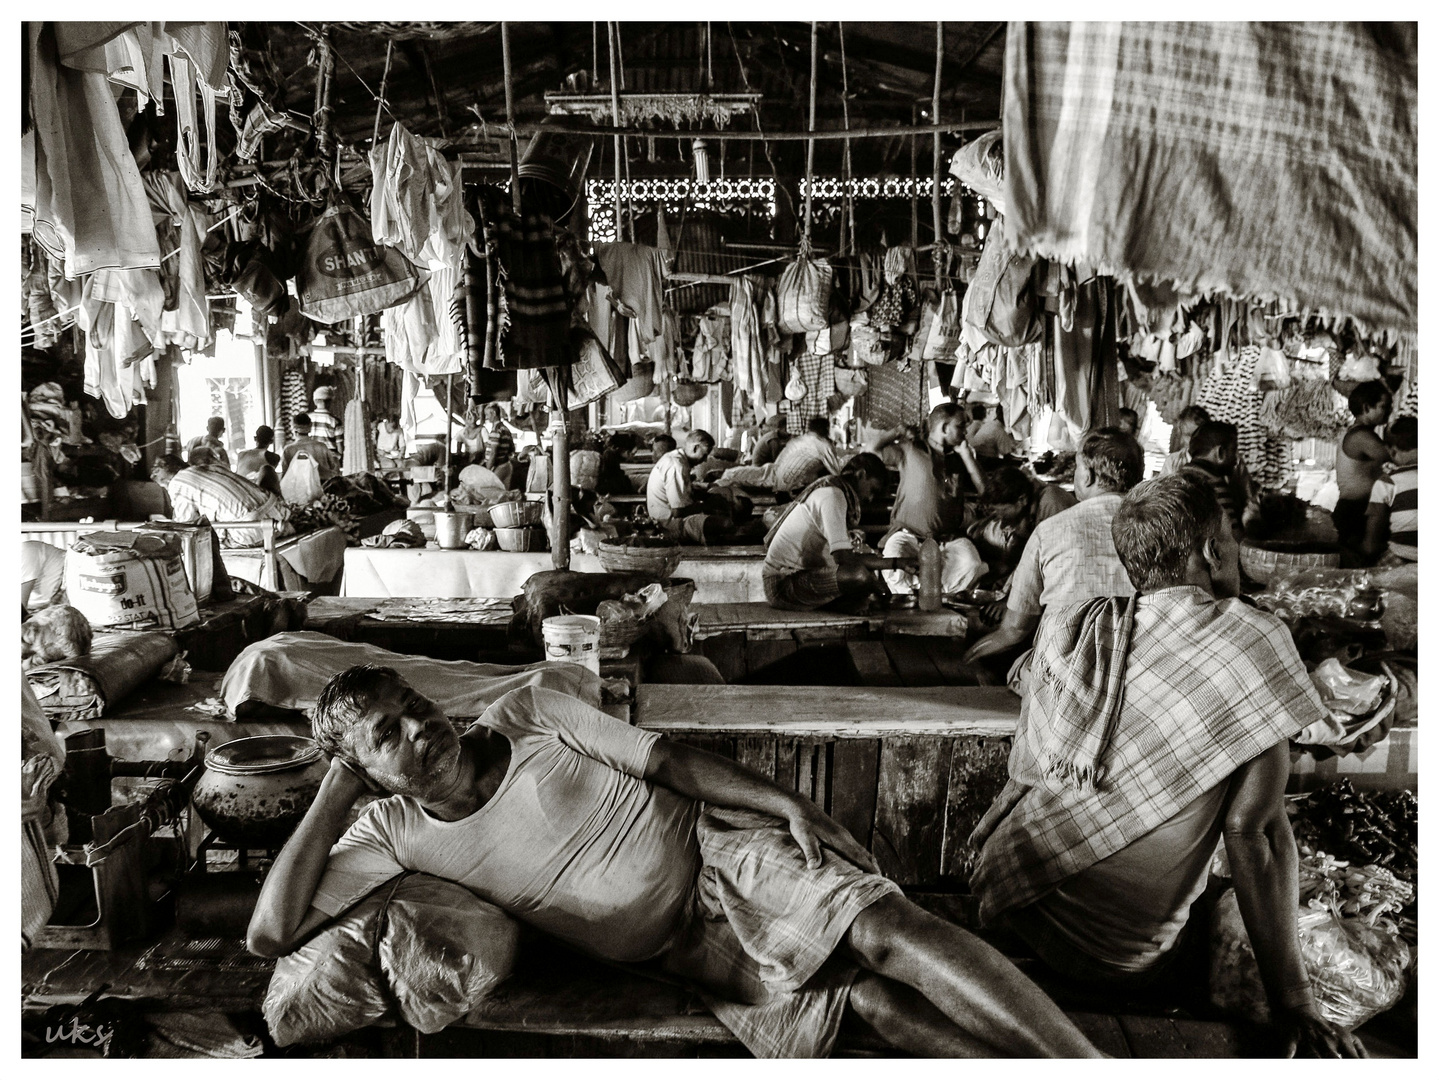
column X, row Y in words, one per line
column 356, row 456
column 188, row 325
column 91, row 211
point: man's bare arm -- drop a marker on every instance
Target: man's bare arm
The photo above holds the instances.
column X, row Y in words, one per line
column 709, row 778
column 1265, row 864
column 283, row 916
column 1376, row 529
column 1015, row 628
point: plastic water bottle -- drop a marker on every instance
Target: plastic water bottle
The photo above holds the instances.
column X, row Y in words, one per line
column 929, row 567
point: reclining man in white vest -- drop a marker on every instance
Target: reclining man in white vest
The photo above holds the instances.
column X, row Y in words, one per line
column 641, row 850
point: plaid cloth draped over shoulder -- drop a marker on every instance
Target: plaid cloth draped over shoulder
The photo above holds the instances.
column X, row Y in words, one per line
column 1098, row 761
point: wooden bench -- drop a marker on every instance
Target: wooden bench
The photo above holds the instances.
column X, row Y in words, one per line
column 558, row 1003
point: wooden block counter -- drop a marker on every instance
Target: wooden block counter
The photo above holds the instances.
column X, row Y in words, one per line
column 908, row 770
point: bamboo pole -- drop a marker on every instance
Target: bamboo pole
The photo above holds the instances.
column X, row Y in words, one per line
column 914, row 183
column 619, row 145
column 809, row 149
column 510, row 120
column 781, row 136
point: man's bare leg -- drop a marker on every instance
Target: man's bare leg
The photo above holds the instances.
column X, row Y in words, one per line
column 969, row 981
column 905, row 1019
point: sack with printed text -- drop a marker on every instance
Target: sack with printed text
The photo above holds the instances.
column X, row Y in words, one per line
column 345, row 273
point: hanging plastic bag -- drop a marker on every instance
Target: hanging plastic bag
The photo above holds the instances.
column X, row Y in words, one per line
column 945, row 330
column 1001, row 301
column 1359, row 367
column 301, row 483
column 980, row 165
column 803, row 295
column 865, row 345
column 851, row 382
column 1356, row 970
column 345, row 273
column 795, row 389
column 1271, row 371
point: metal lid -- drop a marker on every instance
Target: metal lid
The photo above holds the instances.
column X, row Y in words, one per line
column 263, row 754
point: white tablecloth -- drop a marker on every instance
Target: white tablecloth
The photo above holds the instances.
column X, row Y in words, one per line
column 435, row 572
column 315, row 556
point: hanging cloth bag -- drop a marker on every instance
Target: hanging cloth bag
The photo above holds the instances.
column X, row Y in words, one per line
column 803, row 295
column 345, row 273
column 301, row 483
column 1001, row 302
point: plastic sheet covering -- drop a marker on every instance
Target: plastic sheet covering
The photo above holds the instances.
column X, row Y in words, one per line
column 1357, row 970
column 288, row 671
column 85, row 687
column 425, row 949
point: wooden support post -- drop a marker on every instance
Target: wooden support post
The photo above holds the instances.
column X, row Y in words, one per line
column 449, row 437
column 560, row 490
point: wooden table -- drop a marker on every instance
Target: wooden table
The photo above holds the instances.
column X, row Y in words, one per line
column 723, row 574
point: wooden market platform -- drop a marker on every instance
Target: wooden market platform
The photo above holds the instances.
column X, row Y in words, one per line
column 558, row 1003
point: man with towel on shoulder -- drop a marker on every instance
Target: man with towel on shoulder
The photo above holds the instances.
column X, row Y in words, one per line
column 810, row 561
column 1153, row 724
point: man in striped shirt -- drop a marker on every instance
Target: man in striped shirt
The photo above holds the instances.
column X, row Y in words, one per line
column 205, row 490
column 1394, row 502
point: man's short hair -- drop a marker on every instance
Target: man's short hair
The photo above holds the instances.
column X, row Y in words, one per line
column 666, row 441
column 1403, row 434
column 819, row 425
column 201, row 455
column 944, row 412
column 1115, row 459
column 699, row 435
column 1367, row 395
column 166, row 464
column 264, row 435
column 1161, row 523
column 1130, row 415
column 867, row 464
column 344, row 700
column 1210, row 436
column 980, row 412
column 1005, row 486
column 302, row 420
column 1192, row 414
column 215, row 425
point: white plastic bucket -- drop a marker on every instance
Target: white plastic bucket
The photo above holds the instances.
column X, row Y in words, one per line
column 573, row 639
column 451, row 529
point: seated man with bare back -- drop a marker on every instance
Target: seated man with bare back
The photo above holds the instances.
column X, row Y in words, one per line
column 637, row 849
